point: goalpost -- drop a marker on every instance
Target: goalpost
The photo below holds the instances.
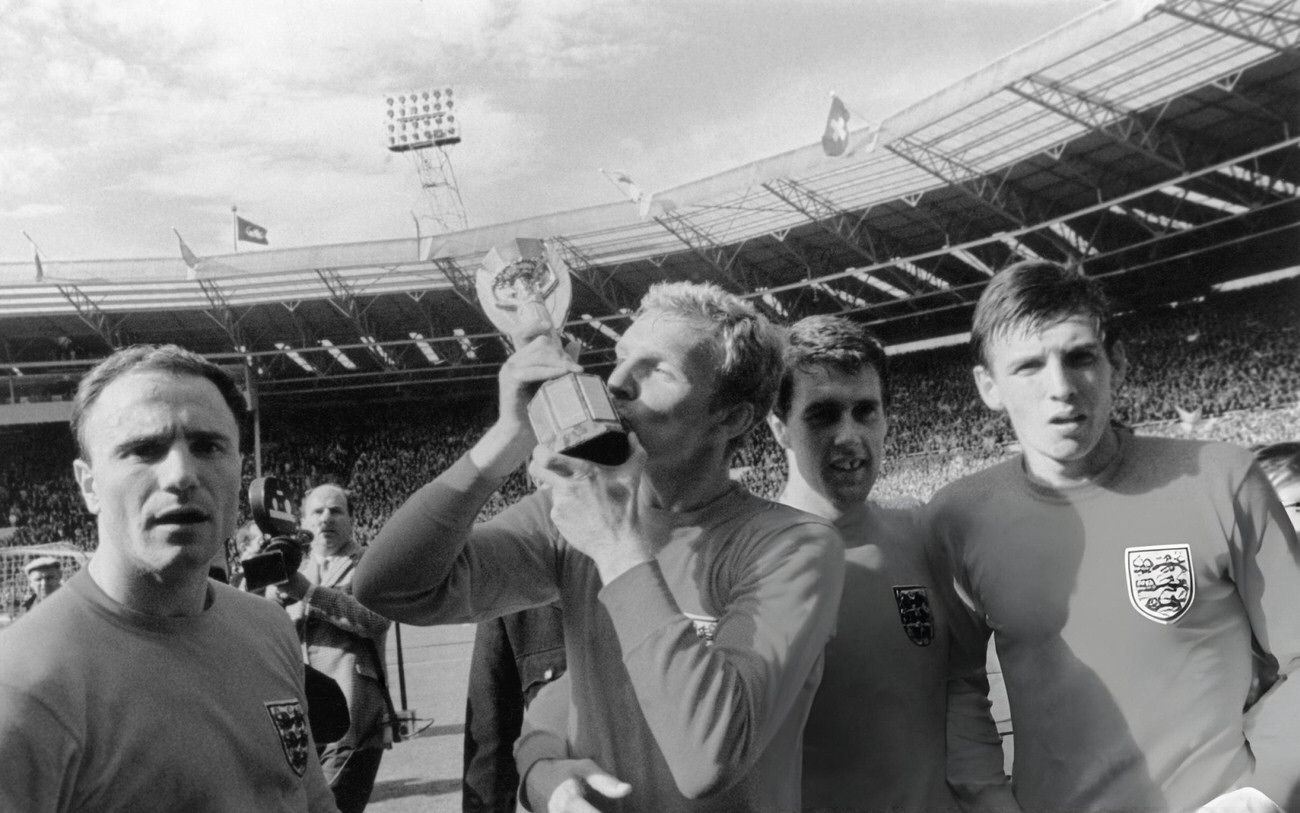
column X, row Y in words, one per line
column 13, row 579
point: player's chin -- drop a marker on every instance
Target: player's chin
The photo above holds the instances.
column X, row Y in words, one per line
column 848, row 488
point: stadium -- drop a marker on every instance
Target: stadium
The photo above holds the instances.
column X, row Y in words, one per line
column 1154, row 145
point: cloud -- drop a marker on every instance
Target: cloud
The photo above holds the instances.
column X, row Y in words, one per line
column 34, row 210
column 129, row 116
column 24, row 168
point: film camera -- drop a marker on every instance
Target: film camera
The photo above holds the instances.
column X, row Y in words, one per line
column 286, row 542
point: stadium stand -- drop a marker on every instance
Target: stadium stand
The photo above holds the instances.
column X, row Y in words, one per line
column 1225, row 368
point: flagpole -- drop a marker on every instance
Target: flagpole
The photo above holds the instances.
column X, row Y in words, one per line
column 234, row 226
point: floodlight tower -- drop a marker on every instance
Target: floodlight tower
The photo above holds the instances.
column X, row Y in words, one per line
column 422, row 124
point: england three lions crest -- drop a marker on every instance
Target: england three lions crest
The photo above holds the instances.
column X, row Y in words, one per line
column 914, row 611
column 706, row 627
column 291, row 724
column 1161, row 581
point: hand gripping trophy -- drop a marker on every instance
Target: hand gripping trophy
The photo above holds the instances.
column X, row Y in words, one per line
column 524, row 288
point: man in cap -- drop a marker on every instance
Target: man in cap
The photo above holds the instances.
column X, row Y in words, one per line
column 44, row 575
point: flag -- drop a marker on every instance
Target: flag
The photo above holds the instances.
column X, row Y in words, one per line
column 191, row 261
column 625, row 185
column 36, row 252
column 835, row 140
column 250, row 232
column 633, row 192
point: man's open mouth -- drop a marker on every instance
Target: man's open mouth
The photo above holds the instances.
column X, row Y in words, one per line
column 180, row 516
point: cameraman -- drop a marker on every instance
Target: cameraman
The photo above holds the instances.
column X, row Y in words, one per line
column 342, row 639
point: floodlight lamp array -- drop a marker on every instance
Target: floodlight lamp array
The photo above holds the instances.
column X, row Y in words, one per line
column 421, row 118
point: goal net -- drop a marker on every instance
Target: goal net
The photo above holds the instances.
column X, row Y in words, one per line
column 13, row 579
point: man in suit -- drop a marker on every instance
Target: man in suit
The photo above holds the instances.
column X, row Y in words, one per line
column 342, row 639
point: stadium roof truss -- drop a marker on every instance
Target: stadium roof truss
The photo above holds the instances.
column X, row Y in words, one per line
column 1154, row 144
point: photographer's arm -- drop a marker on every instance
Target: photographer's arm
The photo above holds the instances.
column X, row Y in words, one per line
column 335, row 606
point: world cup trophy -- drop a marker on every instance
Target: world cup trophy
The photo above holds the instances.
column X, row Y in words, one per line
column 524, row 288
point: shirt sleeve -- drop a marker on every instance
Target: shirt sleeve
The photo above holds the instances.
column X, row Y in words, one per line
column 714, row 707
column 431, row 564
column 543, row 735
column 975, row 761
column 38, row 755
column 339, row 608
column 1268, row 581
column 975, row 758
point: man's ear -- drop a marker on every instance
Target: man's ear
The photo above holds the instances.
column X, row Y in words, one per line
column 737, row 420
column 987, row 387
column 779, row 430
column 86, row 483
column 1119, row 364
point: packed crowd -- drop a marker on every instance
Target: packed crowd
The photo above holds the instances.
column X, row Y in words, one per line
column 1224, row 369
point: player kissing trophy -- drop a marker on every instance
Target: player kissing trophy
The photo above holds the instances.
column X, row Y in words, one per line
column 524, row 289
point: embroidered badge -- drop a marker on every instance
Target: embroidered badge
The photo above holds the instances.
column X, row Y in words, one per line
column 291, row 724
column 914, row 611
column 1161, row 582
column 706, row 627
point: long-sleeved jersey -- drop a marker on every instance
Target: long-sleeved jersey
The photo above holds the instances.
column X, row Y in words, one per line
column 1124, row 612
column 876, row 736
column 691, row 675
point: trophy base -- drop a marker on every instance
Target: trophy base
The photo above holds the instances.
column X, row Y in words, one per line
column 573, row 415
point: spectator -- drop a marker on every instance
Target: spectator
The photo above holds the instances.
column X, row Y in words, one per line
column 167, row 690
column 343, row 640
column 1128, row 684
column 44, row 575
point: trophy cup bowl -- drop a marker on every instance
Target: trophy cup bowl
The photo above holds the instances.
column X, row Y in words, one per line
column 524, row 289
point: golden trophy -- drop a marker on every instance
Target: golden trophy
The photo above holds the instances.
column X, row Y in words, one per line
column 524, row 288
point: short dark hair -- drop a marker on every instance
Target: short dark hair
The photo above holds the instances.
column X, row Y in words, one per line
column 835, row 342
column 165, row 358
column 1033, row 295
column 1280, row 462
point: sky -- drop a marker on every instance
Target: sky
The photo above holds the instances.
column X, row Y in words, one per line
column 123, row 119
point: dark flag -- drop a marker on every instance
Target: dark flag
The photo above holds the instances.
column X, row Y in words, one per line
column 250, row 232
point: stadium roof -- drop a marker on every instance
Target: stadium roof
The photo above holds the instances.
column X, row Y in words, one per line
column 1155, row 144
